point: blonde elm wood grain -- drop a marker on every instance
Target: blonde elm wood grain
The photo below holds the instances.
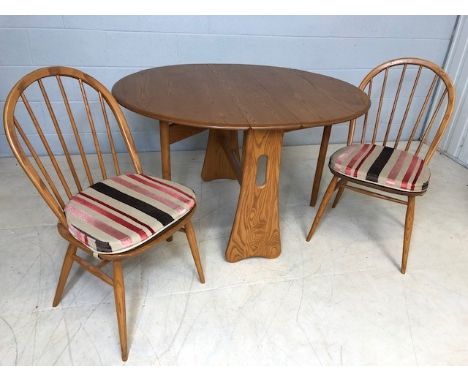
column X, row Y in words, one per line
column 234, row 159
column 164, row 139
column 119, row 296
column 170, row 133
column 409, row 220
column 194, row 248
column 165, row 149
column 67, row 264
column 56, row 207
column 323, row 206
column 44, row 183
column 109, row 136
column 374, row 194
column 76, row 133
column 235, row 96
column 179, row 132
column 256, row 231
column 441, row 79
column 379, row 110
column 425, row 134
column 96, row 271
column 320, row 164
column 395, row 102
column 338, row 194
column 226, row 97
column 408, row 106
column 46, row 145
column 93, row 129
column 422, row 111
column 217, row 164
column 65, row 149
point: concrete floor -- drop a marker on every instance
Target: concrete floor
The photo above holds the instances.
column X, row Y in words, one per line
column 338, row 300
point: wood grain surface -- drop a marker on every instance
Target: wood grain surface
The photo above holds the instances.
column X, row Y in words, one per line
column 264, row 102
column 256, row 231
column 217, row 164
column 238, row 96
column 441, row 81
column 43, row 179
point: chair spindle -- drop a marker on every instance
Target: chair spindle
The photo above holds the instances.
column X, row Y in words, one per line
column 379, row 110
column 46, row 145
column 364, row 124
column 408, row 106
column 421, row 112
column 431, row 122
column 39, row 163
column 395, row 102
column 59, row 134
column 109, row 135
column 75, row 130
column 93, row 130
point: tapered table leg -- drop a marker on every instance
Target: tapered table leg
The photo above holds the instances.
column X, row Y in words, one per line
column 320, row 164
column 165, row 149
column 216, row 164
column 256, row 230
column 164, row 139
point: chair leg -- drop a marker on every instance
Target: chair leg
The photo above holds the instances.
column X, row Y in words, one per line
column 66, row 266
column 408, row 230
column 326, row 198
column 339, row 193
column 119, row 295
column 194, row 248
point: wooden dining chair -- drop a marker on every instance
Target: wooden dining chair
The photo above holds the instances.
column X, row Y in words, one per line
column 380, row 164
column 111, row 216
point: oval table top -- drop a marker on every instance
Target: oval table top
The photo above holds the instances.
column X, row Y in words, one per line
column 236, row 96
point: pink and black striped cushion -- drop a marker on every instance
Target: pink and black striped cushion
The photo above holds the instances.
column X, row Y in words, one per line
column 382, row 165
column 119, row 213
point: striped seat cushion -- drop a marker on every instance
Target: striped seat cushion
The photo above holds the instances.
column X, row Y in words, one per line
column 119, row 213
column 382, row 165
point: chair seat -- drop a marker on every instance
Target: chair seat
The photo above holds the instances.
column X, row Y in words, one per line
column 122, row 212
column 381, row 165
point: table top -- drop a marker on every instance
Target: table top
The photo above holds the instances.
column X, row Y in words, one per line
column 238, row 96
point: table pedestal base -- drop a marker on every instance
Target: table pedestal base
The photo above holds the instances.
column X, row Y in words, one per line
column 256, row 231
column 222, row 160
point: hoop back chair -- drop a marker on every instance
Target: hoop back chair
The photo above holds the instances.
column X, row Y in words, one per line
column 380, row 164
column 109, row 216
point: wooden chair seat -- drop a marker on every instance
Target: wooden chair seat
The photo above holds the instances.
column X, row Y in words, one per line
column 122, row 212
column 105, row 213
column 381, row 165
column 390, row 169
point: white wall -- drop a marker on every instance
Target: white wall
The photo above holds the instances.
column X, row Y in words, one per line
column 455, row 143
column 110, row 47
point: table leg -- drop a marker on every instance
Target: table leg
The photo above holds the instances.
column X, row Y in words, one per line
column 164, row 139
column 165, row 149
column 320, row 163
column 216, row 164
column 256, row 230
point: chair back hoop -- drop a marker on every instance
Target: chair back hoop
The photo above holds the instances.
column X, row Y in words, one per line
column 437, row 104
column 48, row 182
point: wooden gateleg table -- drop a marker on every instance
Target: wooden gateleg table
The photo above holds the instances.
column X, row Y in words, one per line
column 263, row 102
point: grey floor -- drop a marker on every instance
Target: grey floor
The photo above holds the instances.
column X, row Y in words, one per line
column 338, row 300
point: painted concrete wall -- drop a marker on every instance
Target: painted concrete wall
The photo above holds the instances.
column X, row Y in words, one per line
column 110, row 47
